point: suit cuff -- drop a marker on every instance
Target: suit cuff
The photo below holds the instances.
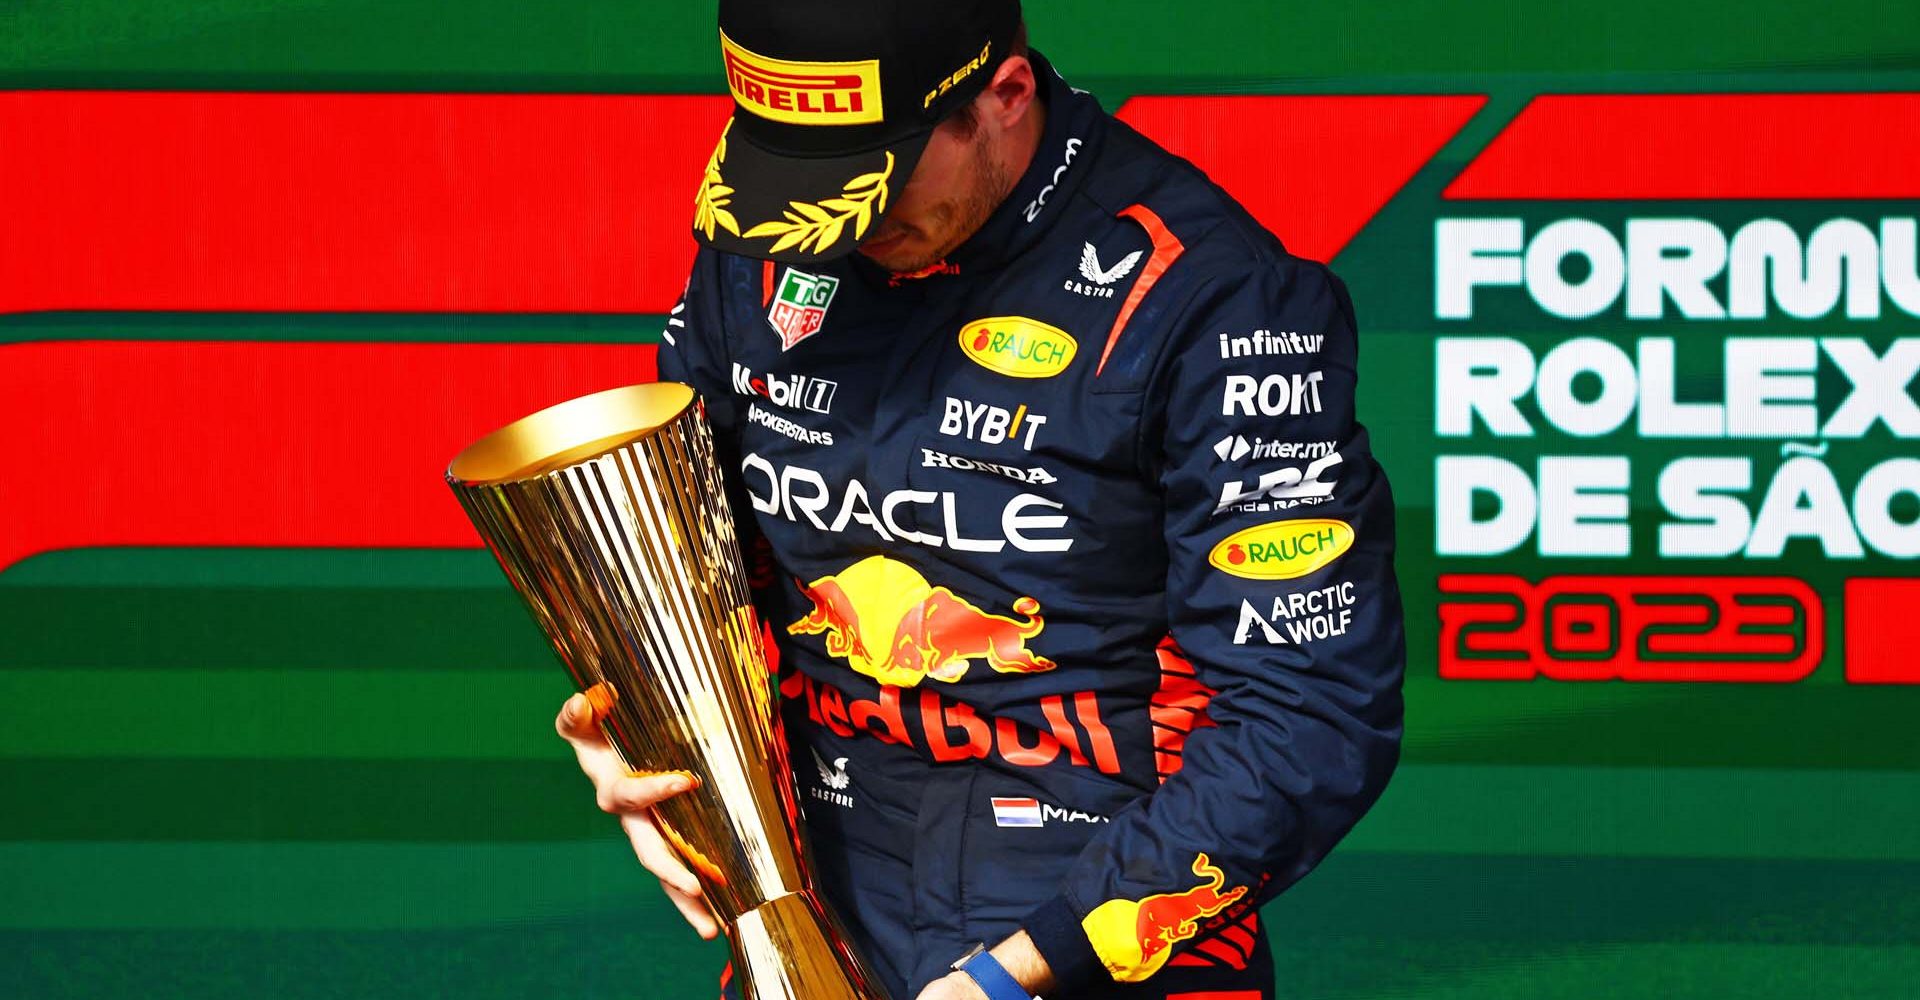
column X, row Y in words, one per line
column 1056, row 933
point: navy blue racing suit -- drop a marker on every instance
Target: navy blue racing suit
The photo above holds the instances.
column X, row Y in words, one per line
column 1079, row 567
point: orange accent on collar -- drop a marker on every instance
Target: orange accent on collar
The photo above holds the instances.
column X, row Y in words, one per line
column 1167, row 248
column 766, row 283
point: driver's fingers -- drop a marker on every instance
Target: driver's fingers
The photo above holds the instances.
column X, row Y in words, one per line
column 655, row 856
column 694, row 909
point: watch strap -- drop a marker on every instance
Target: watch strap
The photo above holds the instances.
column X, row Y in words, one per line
column 993, row 978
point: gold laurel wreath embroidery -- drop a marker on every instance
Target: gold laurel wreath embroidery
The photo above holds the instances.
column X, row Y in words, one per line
column 711, row 201
column 812, row 228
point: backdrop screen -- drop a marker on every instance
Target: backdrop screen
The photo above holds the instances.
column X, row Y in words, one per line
column 1640, row 314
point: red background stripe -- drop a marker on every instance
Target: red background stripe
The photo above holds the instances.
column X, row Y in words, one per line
column 349, row 202
column 1883, row 631
column 233, row 443
column 1667, row 146
column 1312, row 169
column 515, row 203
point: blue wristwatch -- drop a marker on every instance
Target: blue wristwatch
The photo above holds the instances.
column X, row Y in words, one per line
column 993, row 978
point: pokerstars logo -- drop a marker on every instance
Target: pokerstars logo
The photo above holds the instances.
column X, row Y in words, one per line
column 801, row 392
column 803, row 93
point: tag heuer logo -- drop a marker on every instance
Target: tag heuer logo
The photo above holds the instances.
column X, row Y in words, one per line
column 801, row 305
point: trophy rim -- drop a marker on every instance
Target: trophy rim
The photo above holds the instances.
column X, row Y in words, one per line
column 570, row 432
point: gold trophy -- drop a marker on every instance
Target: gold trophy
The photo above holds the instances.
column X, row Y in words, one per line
column 608, row 516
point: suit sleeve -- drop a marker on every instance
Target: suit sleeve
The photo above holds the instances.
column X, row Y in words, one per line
column 693, row 349
column 693, row 343
column 1281, row 602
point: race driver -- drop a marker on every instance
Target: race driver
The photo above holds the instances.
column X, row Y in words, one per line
column 1078, row 566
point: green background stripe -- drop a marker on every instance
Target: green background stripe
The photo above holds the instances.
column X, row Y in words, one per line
column 614, row 45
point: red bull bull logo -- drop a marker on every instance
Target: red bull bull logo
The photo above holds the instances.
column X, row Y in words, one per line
column 890, row 624
column 1134, row 939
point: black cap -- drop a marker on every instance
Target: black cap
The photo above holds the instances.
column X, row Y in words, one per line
column 833, row 103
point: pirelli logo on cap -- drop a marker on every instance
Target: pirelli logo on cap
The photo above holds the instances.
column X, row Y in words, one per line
column 803, row 93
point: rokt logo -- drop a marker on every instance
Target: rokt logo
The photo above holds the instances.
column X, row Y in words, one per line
column 1018, row 346
column 1282, row 550
column 1273, row 396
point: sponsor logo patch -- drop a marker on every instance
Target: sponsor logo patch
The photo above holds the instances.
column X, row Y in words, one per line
column 1282, row 550
column 1098, row 278
column 803, row 392
column 1235, row 447
column 1017, row 346
column 1272, row 396
column 783, row 426
column 803, row 93
column 800, row 306
column 1134, row 938
column 1263, row 343
column 1298, row 618
column 834, row 782
column 989, row 424
column 889, row 623
column 941, row 460
column 1283, row 488
column 953, row 79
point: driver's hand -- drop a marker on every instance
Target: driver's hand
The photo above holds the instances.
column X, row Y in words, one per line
column 632, row 798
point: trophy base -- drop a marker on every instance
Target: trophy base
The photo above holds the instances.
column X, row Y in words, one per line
column 791, row 948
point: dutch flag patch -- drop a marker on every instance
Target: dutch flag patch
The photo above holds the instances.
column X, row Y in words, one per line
column 1016, row 812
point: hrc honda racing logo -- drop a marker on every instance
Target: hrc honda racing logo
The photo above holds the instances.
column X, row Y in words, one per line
column 800, row 494
column 1282, row 488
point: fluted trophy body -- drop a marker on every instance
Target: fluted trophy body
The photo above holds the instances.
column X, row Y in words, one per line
column 608, row 515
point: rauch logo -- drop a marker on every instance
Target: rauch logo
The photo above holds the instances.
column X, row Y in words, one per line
column 1018, row 346
column 1282, row 550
